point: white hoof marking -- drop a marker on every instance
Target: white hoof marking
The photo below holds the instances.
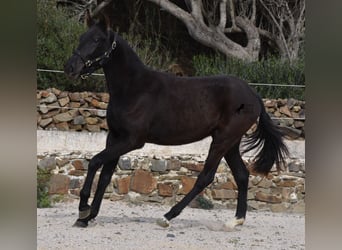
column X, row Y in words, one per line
column 163, row 222
column 232, row 224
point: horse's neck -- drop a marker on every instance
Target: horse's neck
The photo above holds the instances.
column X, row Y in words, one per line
column 123, row 66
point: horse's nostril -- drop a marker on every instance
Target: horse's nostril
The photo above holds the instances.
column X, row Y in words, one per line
column 68, row 68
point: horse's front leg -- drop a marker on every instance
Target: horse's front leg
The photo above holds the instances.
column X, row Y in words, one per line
column 108, row 158
column 91, row 212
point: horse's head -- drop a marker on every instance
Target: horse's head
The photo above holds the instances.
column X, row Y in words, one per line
column 94, row 48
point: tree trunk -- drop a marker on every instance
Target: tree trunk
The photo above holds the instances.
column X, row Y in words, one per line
column 214, row 36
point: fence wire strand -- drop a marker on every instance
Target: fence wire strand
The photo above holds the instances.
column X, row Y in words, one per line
column 97, row 74
column 251, row 83
column 92, row 109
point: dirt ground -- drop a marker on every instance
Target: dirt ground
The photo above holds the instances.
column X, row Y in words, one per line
column 122, row 225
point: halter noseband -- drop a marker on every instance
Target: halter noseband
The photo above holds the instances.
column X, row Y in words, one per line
column 101, row 60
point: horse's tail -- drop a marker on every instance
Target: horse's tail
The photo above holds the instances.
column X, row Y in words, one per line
column 269, row 140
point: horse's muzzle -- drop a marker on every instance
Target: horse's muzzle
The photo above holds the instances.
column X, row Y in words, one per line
column 73, row 68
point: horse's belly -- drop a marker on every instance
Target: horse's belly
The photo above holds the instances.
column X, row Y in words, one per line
column 177, row 135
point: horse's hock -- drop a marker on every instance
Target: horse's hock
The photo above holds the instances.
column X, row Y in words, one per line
column 159, row 174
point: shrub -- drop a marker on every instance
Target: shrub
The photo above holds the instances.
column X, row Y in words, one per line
column 151, row 52
column 271, row 71
column 43, row 199
column 57, row 36
column 204, row 203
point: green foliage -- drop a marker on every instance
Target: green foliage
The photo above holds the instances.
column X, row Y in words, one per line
column 43, row 199
column 151, row 52
column 57, row 36
column 271, row 71
column 204, row 203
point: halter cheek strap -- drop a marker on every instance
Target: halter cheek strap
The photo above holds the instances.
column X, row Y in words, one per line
column 101, row 58
column 100, row 61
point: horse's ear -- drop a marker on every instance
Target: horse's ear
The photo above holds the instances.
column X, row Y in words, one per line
column 108, row 22
column 88, row 19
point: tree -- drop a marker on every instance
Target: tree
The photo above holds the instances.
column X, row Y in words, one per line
column 237, row 29
column 200, row 19
column 211, row 22
column 285, row 25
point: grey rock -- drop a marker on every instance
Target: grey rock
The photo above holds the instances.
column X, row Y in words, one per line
column 63, row 117
column 158, row 165
column 79, row 120
column 173, row 164
column 125, row 163
column 293, row 166
column 93, row 128
column 47, row 163
column 75, row 183
column 44, row 122
column 43, row 108
column 50, row 99
column 101, row 113
column 291, row 102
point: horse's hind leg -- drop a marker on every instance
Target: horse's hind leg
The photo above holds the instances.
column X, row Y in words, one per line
column 222, row 142
column 203, row 180
column 241, row 175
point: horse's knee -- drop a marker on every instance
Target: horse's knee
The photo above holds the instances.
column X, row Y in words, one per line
column 95, row 163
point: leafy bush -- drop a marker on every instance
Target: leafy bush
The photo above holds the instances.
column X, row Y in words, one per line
column 271, row 71
column 57, row 36
column 43, row 199
column 150, row 52
column 204, row 203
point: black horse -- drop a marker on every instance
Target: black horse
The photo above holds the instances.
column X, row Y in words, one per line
column 147, row 106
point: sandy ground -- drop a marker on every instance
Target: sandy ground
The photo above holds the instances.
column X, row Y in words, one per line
column 122, row 225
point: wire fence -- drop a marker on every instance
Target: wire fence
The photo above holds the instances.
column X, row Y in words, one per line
column 251, row 83
column 97, row 74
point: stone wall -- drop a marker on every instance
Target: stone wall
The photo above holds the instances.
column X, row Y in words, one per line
column 160, row 178
column 145, row 178
column 85, row 111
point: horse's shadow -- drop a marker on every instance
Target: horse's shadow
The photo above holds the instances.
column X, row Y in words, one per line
column 178, row 224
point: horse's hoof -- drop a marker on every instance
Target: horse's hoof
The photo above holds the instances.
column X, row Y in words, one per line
column 80, row 223
column 230, row 226
column 163, row 222
column 84, row 214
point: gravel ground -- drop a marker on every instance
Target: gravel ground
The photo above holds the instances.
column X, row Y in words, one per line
column 122, row 225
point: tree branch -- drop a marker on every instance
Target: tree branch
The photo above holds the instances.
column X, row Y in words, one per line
column 301, row 19
column 232, row 14
column 253, row 17
column 173, row 9
column 281, row 34
column 223, row 15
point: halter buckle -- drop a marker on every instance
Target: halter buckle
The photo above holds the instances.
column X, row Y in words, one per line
column 114, row 44
column 85, row 76
column 88, row 63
